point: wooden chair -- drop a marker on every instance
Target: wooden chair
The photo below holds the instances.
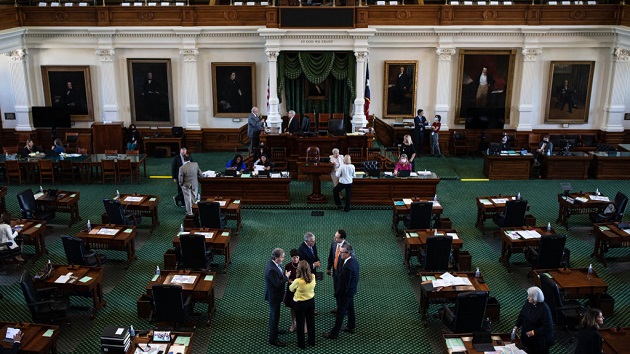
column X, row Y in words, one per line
column 356, row 154
column 82, row 151
column 123, row 168
column 108, row 170
column 322, row 123
column 279, row 158
column 66, row 170
column 46, row 170
column 12, row 170
column 11, row 150
column 72, row 139
column 338, row 116
column 310, row 116
column 312, row 154
column 111, row 152
column 460, row 143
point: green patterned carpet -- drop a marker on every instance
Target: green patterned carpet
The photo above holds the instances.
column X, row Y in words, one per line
column 387, row 301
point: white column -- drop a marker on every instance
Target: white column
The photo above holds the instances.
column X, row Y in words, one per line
column 358, row 118
column 108, row 85
column 19, row 81
column 274, row 119
column 191, row 89
column 443, row 96
column 525, row 101
column 618, row 89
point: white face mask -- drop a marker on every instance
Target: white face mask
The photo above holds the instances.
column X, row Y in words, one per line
column 435, row 119
column 403, row 160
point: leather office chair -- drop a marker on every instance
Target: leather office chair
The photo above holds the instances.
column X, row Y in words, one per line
column 193, row 252
column 12, row 170
column 549, row 254
column 620, row 203
column 117, row 215
column 169, row 304
column 513, row 215
column 210, row 215
column 46, row 170
column 468, row 314
column 438, row 253
column 123, row 168
column 564, row 313
column 30, row 210
column 312, row 154
column 44, row 305
column 6, row 253
column 420, row 216
column 76, row 253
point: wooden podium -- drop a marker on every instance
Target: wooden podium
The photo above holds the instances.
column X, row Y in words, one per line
column 107, row 136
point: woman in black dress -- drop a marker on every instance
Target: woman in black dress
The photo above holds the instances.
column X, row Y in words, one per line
column 589, row 339
column 408, row 149
column 288, row 295
column 537, row 323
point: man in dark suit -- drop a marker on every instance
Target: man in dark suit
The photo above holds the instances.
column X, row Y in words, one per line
column 275, row 279
column 16, row 345
column 293, row 125
column 334, row 257
column 308, row 251
column 178, row 161
column 420, row 123
column 189, row 175
column 344, row 294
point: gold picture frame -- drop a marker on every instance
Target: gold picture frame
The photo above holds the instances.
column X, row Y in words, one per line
column 569, row 92
column 233, row 89
column 401, row 78
column 69, row 86
column 485, row 106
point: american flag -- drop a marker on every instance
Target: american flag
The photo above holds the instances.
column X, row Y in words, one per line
column 268, row 95
column 366, row 107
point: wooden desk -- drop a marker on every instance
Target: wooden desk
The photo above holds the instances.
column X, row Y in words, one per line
column 231, row 208
column 33, row 340
column 148, row 338
column 64, row 201
column 568, row 206
column 219, row 242
column 507, row 167
column 136, row 160
column 489, row 206
column 574, row 166
column 510, row 245
column 248, row 190
column 608, row 235
column 201, row 290
column 147, row 206
column 381, row 191
column 3, row 194
column 576, row 283
column 616, row 342
column 92, row 286
column 33, row 233
column 614, row 165
column 449, row 293
column 416, row 240
column 122, row 240
column 400, row 210
column 315, row 170
column 147, row 141
column 498, row 339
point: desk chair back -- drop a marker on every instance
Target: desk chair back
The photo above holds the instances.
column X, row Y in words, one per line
column 12, row 170
column 470, row 311
column 116, row 213
column 514, row 214
column 43, row 304
column 210, row 215
column 29, row 209
column 438, row 253
column 193, row 252
column 620, row 203
column 565, row 313
column 420, row 215
column 46, row 170
column 76, row 253
column 168, row 303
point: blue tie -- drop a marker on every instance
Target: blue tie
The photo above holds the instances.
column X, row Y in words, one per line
column 311, row 248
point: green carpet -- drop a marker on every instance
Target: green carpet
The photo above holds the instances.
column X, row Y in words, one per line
column 387, row 301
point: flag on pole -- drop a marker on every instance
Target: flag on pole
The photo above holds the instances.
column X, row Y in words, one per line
column 366, row 107
column 268, row 79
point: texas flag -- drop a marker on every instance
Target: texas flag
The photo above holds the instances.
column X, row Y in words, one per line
column 366, row 107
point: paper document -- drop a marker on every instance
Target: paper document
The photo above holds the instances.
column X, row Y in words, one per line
column 453, row 235
column 106, row 231
column 455, row 344
column 529, row 234
column 205, row 234
column 133, row 199
column 407, row 201
column 222, row 203
column 599, row 198
column 183, row 279
column 63, row 278
column 499, row 200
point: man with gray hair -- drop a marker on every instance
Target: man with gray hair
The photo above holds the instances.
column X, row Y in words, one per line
column 275, row 280
column 345, row 291
column 254, row 126
column 308, row 251
column 293, row 125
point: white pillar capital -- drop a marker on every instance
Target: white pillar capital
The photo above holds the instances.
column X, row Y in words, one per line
column 531, row 54
column 17, row 56
column 445, row 53
column 621, row 55
column 272, row 55
column 105, row 54
column 361, row 55
column 190, row 55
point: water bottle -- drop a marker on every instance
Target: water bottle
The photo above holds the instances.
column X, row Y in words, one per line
column 181, row 227
column 41, row 189
column 89, row 225
column 548, row 226
column 132, row 332
column 518, row 197
column 157, row 271
column 597, row 193
column 549, row 152
column 513, row 335
column 117, row 194
column 590, row 269
column 477, row 273
column 434, row 232
column 435, row 198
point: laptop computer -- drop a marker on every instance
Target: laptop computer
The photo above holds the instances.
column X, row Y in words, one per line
column 482, row 341
column 263, row 173
column 373, row 172
column 405, row 173
column 230, row 173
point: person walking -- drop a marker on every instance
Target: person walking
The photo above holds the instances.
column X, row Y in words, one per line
column 178, row 161
column 189, row 175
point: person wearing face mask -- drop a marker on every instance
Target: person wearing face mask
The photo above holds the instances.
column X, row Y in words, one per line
column 545, row 147
column 505, row 143
column 435, row 130
column 402, row 165
column 408, row 149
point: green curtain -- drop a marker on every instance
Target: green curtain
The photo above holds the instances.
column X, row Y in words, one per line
column 295, row 69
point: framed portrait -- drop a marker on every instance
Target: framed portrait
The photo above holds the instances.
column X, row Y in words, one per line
column 316, row 91
column 69, row 86
column 150, row 91
column 485, row 85
column 234, row 88
column 400, row 88
column 569, row 93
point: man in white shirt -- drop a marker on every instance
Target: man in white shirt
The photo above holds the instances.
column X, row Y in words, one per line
column 345, row 173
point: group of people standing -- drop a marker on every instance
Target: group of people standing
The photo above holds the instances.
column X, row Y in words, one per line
column 421, row 126
column 295, row 286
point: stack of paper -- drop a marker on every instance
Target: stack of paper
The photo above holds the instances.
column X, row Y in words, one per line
column 499, row 200
column 485, row 202
column 529, row 234
column 183, row 279
column 205, row 234
column 407, row 201
column 453, row 235
column 582, row 199
column 599, row 198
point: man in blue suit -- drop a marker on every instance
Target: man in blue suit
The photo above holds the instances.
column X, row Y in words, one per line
column 308, row 251
column 420, row 123
column 344, row 294
column 275, row 280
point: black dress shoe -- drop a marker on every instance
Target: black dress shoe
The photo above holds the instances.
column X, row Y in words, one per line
column 282, row 331
column 330, row 335
column 278, row 343
column 333, row 311
column 349, row 330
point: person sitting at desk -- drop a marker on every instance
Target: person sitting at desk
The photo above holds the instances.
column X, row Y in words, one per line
column 260, row 150
column 236, row 164
column 57, row 147
column 8, row 235
column 28, row 149
column 408, row 149
column 262, row 164
column 545, row 147
column 402, row 164
column 133, row 136
column 505, row 143
column 15, row 347
column 589, row 339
